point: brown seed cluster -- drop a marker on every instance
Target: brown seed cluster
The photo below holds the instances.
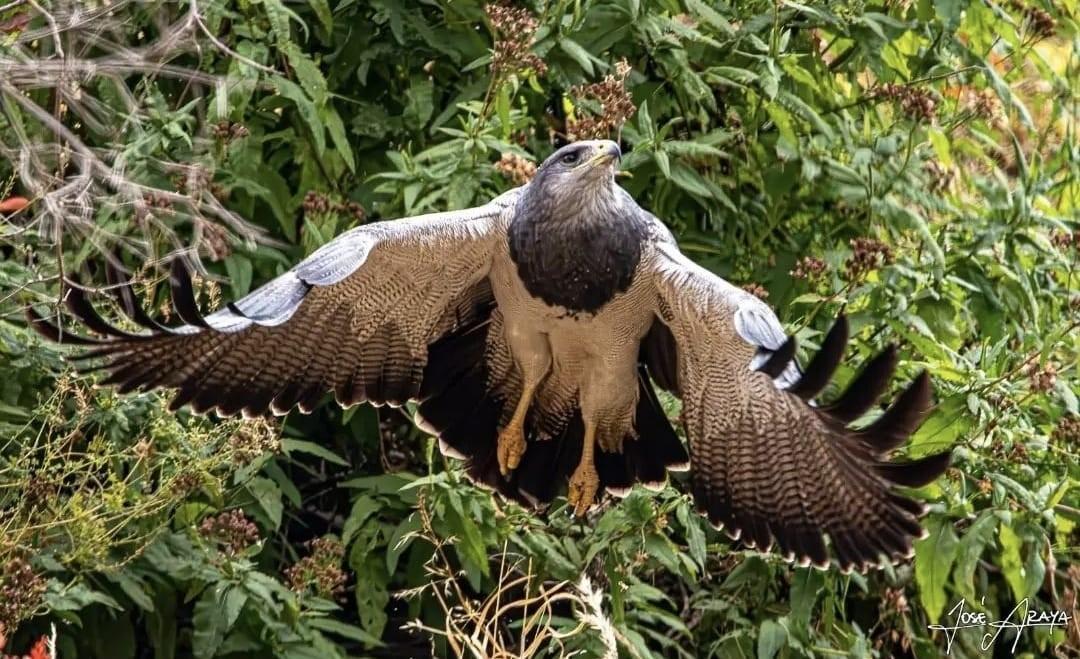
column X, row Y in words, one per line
column 320, row 572
column 39, row 489
column 986, row 104
column 1065, row 240
column 756, row 290
column 517, row 169
column 939, row 177
column 616, row 106
column 916, row 103
column 809, row 268
column 1067, row 431
column 186, row 483
column 985, row 486
column 215, row 238
column 1041, row 378
column 226, row 131
column 515, row 29
column 317, row 203
column 231, row 530
column 252, row 440
column 1038, row 21
column 21, row 591
column 894, row 607
column 867, row 254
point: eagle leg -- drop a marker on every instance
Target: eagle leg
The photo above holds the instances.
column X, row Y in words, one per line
column 511, row 444
column 584, row 482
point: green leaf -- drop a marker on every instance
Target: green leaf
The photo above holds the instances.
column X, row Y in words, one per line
column 578, row 54
column 208, row 624
column 268, row 495
column 338, row 136
column 772, row 637
column 309, row 112
column 290, row 446
column 344, row 630
column 1012, row 562
column 322, row 11
column 934, row 558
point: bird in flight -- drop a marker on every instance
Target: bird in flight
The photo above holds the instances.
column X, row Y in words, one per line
column 531, row 333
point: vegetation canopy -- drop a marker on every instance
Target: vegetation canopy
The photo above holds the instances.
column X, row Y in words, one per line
column 912, row 165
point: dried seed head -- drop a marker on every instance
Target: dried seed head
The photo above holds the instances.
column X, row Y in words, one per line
column 915, row 102
column 616, row 105
column 1067, row 431
column 809, row 268
column 253, row 439
column 756, row 290
column 517, row 169
column 1066, row 240
column 1041, row 378
column 1037, row 21
column 21, row 592
column 320, row 572
column 867, row 254
column 231, row 530
column 515, row 28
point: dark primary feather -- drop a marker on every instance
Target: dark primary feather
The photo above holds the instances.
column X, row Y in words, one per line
column 802, row 479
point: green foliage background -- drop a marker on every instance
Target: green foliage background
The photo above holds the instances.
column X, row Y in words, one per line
column 764, row 132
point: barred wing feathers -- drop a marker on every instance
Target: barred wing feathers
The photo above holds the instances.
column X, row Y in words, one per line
column 355, row 318
column 769, row 464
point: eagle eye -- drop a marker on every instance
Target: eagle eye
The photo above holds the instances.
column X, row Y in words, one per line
column 570, row 158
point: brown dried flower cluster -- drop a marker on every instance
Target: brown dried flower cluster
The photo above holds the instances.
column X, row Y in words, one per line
column 252, row 440
column 1038, row 21
column 1041, row 378
column 894, row 607
column 21, row 591
column 941, row 178
column 916, row 103
column 227, row 131
column 1064, row 240
column 985, row 486
column 867, row 254
column 809, row 268
column 986, row 104
column 215, row 239
column 515, row 29
column 320, row 572
column 756, row 290
column 316, row 203
column 517, row 169
column 186, row 483
column 231, row 530
column 616, row 106
column 1067, row 431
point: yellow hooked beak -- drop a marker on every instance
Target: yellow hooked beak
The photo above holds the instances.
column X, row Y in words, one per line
column 606, row 154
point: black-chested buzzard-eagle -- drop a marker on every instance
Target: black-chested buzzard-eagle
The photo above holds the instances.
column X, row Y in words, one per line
column 530, row 331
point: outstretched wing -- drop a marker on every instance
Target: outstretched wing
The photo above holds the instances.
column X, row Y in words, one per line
column 768, row 463
column 355, row 318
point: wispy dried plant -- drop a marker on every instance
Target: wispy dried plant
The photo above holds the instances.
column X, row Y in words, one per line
column 518, row 617
column 77, row 103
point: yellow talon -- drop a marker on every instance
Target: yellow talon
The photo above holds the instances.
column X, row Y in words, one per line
column 583, row 486
column 511, row 447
